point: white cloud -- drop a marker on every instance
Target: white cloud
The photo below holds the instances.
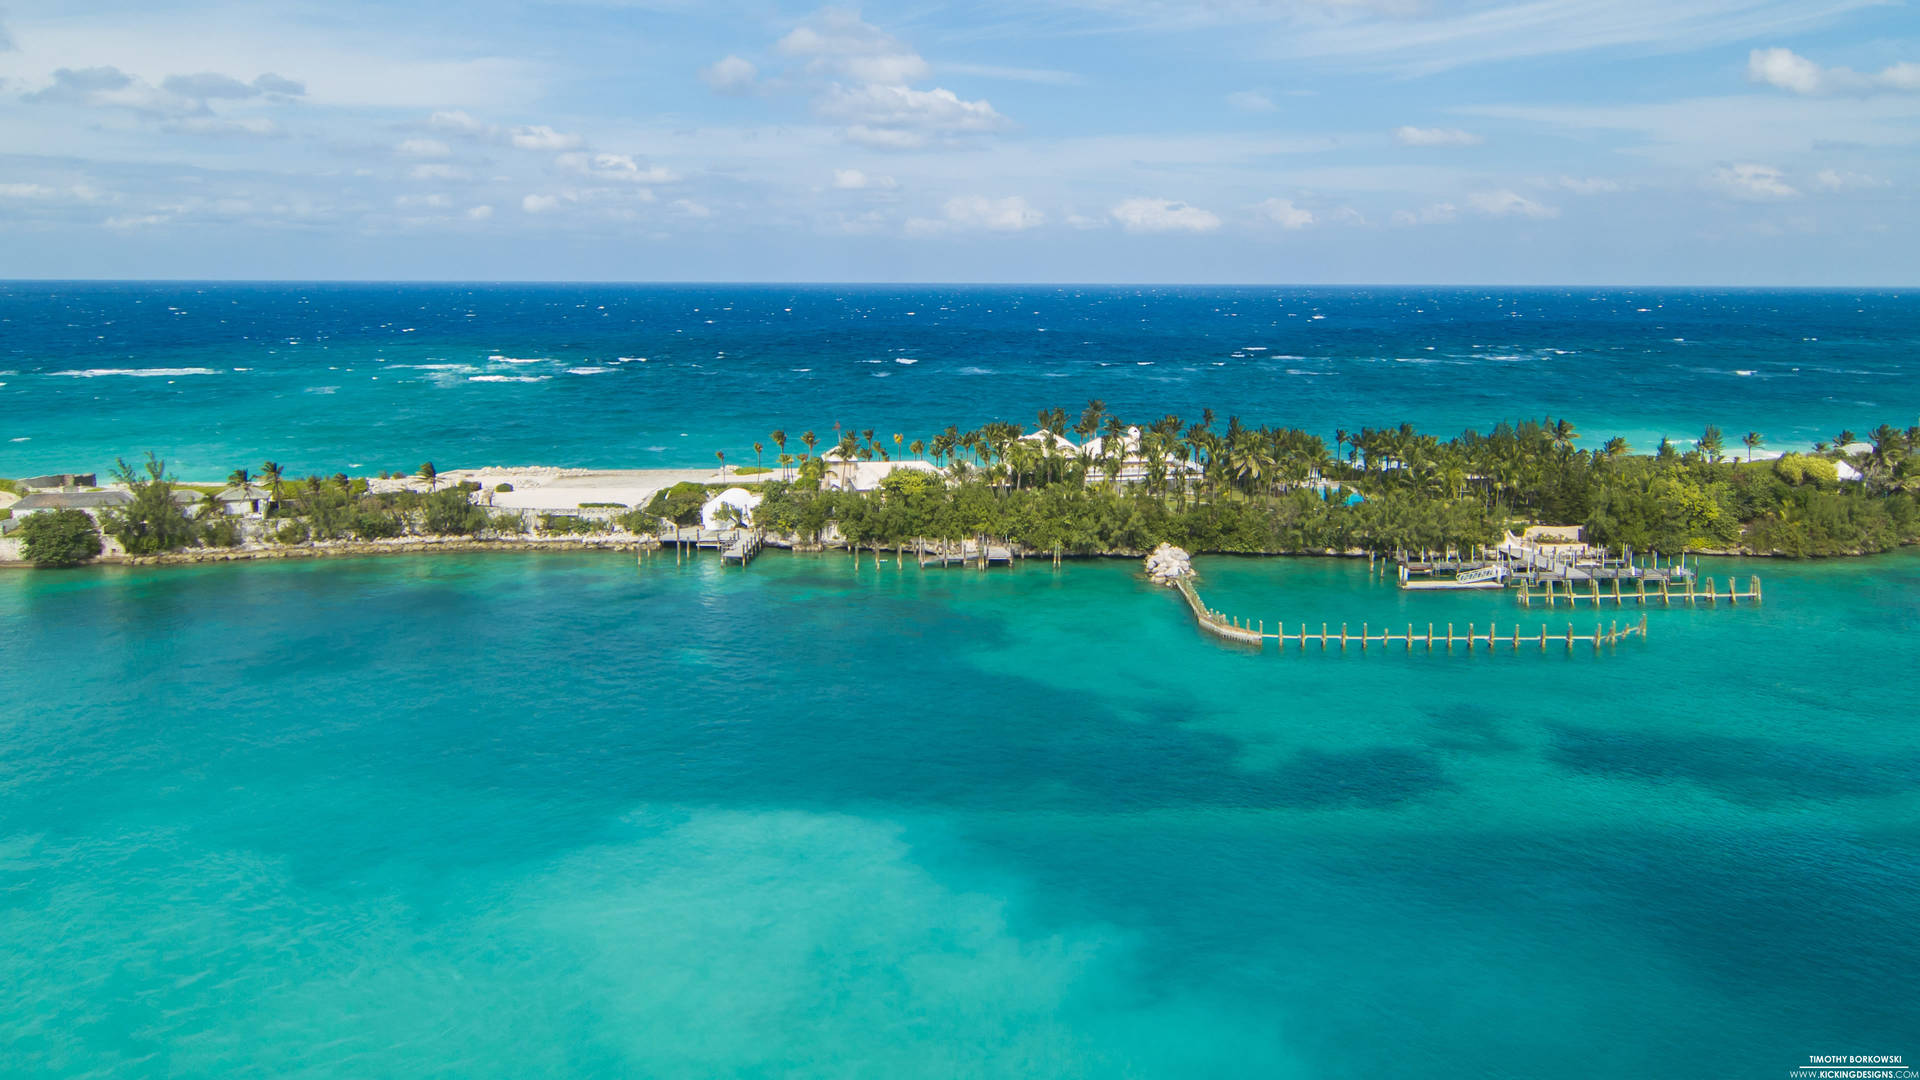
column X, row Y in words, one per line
column 899, row 116
column 1458, row 35
column 539, row 204
column 1836, row 180
column 436, row 172
column 615, row 167
column 479, row 213
column 1419, row 136
column 729, row 75
column 1591, row 185
column 1751, row 181
column 856, row 180
column 1788, row 70
column 1505, row 203
column 692, row 209
column 26, row 191
column 434, row 202
column 1439, row 213
column 456, row 120
column 423, row 148
column 836, row 41
column 1252, row 101
column 1011, row 214
column 137, row 221
column 1162, row 215
column 1283, row 213
column 542, row 137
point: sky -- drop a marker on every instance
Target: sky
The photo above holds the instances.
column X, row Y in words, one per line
column 1686, row 142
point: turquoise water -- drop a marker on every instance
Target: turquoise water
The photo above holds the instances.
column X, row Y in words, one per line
column 556, row 815
column 331, row 377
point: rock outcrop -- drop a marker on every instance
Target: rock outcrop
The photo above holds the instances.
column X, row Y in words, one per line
column 1168, row 564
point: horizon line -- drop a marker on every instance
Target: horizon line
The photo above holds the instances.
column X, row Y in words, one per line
column 768, row 283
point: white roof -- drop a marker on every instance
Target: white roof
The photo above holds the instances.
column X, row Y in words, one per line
column 740, row 499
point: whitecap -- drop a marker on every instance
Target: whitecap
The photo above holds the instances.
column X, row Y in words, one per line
column 322, row 389
column 802, row 370
column 633, row 359
column 142, row 373
column 1743, row 371
column 589, row 370
column 882, row 374
column 508, row 378
column 1256, row 348
column 1319, row 316
column 905, row 360
column 979, row 370
column 498, row 359
column 1143, row 363
column 23, row 438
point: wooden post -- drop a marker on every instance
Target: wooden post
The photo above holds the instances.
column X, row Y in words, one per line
column 1543, row 637
column 1596, row 637
column 1449, row 639
column 1363, row 637
column 1429, row 637
column 1323, row 637
column 1409, row 637
column 1754, row 584
column 1343, row 637
column 1469, row 638
column 1569, row 639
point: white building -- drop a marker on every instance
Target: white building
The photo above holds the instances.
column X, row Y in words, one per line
column 247, row 501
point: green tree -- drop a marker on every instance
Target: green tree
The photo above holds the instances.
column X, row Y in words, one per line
column 450, row 513
column 1752, row 440
column 153, row 522
column 271, row 475
column 431, row 475
column 59, row 538
column 1710, row 444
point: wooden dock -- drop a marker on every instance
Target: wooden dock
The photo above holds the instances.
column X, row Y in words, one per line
column 1666, row 593
column 970, row 551
column 1256, row 635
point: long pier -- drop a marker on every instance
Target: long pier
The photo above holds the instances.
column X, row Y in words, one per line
column 1687, row 592
column 1256, row 635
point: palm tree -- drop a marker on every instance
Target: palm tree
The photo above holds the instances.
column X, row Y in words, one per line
column 917, row 447
column 807, row 439
column 756, row 454
column 1843, row 440
column 1709, row 443
column 240, row 478
column 722, row 455
column 1751, row 440
column 784, row 461
column 270, row 475
column 1564, row 435
column 1616, row 447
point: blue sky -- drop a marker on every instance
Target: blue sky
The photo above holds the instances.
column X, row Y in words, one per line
column 1523, row 141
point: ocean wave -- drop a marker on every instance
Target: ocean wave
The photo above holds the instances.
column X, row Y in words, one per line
column 323, row 389
column 976, row 371
column 439, row 367
column 139, row 373
column 499, row 359
column 590, row 371
column 905, row 360
column 508, row 378
column 631, row 360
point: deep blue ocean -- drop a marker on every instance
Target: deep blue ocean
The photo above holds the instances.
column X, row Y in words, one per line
column 328, row 377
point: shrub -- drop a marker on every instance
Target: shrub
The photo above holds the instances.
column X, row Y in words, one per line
column 569, row 525
column 680, row 503
column 219, row 530
column 449, row 513
column 373, row 525
column 507, row 522
column 502, row 489
column 59, row 538
column 292, row 531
